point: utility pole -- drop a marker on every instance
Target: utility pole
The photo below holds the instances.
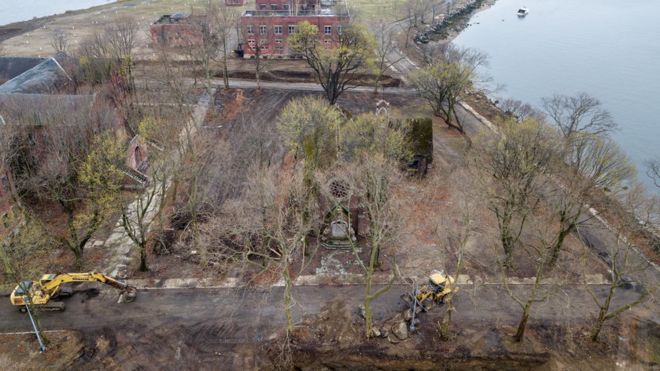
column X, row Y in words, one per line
column 42, row 347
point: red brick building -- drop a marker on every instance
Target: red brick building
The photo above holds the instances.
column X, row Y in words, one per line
column 176, row 30
column 274, row 20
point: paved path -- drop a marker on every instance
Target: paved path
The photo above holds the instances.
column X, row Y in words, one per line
column 258, row 312
column 122, row 248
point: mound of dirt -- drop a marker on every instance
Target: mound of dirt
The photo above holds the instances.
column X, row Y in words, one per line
column 335, row 324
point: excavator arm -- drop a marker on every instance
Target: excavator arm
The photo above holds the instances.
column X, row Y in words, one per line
column 53, row 284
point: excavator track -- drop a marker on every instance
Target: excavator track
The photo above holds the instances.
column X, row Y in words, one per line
column 53, row 306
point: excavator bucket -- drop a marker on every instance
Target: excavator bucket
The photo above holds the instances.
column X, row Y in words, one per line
column 128, row 295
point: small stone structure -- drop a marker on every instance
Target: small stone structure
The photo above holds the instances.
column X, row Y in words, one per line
column 176, row 30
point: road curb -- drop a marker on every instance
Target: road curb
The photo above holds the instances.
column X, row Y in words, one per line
column 337, row 280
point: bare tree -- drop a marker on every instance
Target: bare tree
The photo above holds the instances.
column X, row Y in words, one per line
column 623, row 263
column 446, row 80
column 416, row 10
column 260, row 63
column 579, row 114
column 15, row 157
column 138, row 216
column 371, row 181
column 24, row 241
column 94, row 46
column 458, row 240
column 59, row 41
column 514, row 166
column 519, row 109
column 336, row 67
column 385, row 48
column 227, row 21
column 654, row 171
column 76, row 167
column 292, row 225
column 589, row 162
column 540, row 256
column 207, row 51
column 121, row 37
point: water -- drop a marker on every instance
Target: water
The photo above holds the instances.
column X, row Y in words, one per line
column 23, row 10
column 607, row 48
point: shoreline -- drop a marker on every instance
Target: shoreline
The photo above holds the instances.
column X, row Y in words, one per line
column 642, row 238
column 14, row 29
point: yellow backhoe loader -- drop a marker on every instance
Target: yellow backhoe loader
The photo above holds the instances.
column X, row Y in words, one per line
column 439, row 286
column 421, row 299
column 435, row 291
column 50, row 286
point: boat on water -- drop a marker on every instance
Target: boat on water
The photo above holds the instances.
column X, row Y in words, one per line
column 522, row 12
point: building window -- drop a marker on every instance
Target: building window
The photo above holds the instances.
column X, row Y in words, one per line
column 263, row 29
column 327, row 30
column 250, row 28
column 340, row 29
column 327, row 44
column 278, row 30
column 278, row 41
column 292, row 28
column 279, row 49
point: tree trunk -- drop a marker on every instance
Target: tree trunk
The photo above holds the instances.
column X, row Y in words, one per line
column 522, row 325
column 602, row 313
column 368, row 312
column 225, row 70
column 143, row 257
column 595, row 331
column 556, row 248
column 77, row 253
column 288, row 301
column 379, row 77
column 257, row 70
column 507, row 245
column 458, row 125
column 446, row 321
column 504, row 223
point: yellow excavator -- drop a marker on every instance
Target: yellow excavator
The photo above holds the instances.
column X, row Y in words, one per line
column 50, row 286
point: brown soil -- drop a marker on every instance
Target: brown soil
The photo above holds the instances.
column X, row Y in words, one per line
column 22, row 351
column 334, row 340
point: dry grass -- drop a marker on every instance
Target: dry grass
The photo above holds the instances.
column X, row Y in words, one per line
column 83, row 23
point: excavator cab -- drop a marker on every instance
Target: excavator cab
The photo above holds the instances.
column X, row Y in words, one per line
column 440, row 285
column 17, row 296
column 437, row 280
